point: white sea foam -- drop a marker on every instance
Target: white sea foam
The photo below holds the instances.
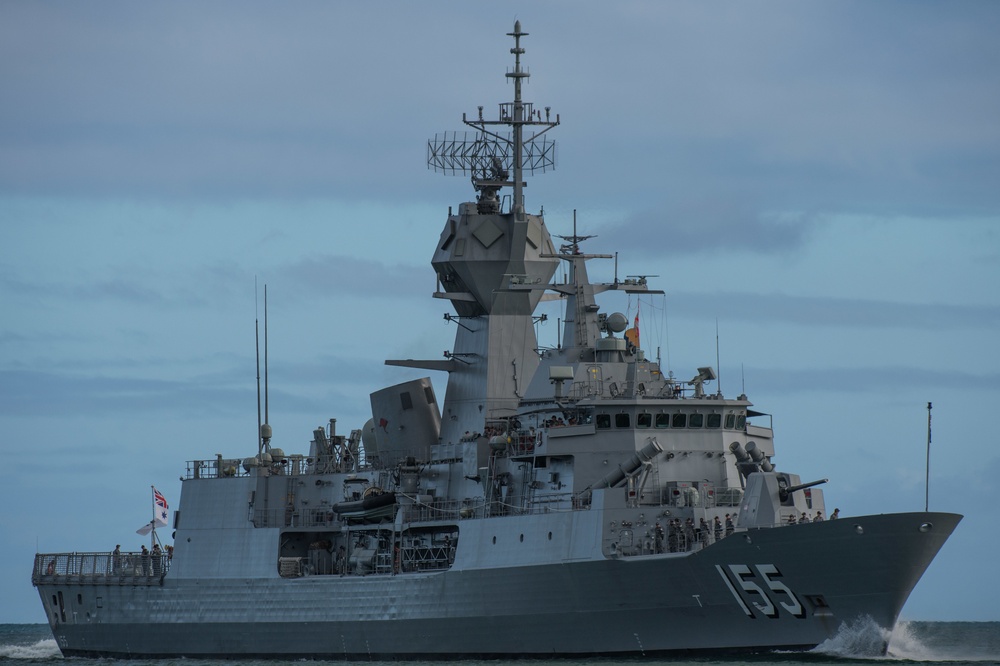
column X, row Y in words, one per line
column 44, row 649
column 865, row 639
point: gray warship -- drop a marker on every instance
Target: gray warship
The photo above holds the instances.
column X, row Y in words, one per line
column 562, row 501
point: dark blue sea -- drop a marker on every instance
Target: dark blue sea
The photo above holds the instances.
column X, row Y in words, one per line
column 952, row 643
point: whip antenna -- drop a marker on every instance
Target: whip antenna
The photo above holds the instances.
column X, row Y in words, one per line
column 927, row 480
column 256, row 326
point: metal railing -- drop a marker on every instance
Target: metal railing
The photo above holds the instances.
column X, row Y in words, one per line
column 132, row 568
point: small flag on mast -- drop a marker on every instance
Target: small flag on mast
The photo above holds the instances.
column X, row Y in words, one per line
column 160, row 509
column 632, row 334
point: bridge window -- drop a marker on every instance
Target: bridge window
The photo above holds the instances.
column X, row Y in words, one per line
column 696, row 421
column 741, row 422
column 603, row 421
column 730, row 421
column 663, row 420
column 714, row 421
column 679, row 420
column 623, row 421
column 643, row 420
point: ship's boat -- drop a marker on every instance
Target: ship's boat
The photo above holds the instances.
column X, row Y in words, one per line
column 573, row 500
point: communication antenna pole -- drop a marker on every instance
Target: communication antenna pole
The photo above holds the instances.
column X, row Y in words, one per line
column 266, row 417
column 518, row 119
column 718, row 363
column 494, row 159
column 927, row 480
column 256, row 326
column 263, row 429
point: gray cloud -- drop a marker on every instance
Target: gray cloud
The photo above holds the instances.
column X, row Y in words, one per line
column 878, row 379
column 853, row 107
column 825, row 312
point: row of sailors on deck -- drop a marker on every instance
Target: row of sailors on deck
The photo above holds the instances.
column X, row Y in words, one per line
column 818, row 518
column 681, row 536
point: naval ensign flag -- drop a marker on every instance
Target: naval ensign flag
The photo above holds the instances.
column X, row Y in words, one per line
column 160, row 509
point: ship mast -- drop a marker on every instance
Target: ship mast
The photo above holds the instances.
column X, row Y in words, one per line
column 489, row 251
column 518, row 121
column 491, row 156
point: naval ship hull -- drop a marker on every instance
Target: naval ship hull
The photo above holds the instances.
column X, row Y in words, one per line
column 785, row 588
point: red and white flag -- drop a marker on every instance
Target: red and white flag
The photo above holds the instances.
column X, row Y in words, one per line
column 160, row 509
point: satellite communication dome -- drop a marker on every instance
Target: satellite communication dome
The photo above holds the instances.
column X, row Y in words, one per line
column 617, row 322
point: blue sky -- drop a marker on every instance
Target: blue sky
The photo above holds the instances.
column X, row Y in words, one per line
column 819, row 181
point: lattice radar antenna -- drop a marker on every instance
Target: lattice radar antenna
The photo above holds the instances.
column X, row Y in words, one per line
column 490, row 156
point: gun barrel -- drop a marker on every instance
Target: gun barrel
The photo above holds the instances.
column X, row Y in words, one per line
column 785, row 492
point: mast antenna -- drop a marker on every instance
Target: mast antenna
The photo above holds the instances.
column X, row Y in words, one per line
column 927, row 480
column 489, row 156
column 718, row 363
column 267, row 418
column 256, row 326
column 263, row 427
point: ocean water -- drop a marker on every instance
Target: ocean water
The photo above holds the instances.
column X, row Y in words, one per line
column 952, row 643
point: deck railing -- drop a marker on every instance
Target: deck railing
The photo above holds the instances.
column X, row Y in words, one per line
column 129, row 568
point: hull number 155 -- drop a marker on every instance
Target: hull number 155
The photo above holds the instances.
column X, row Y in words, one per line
column 765, row 601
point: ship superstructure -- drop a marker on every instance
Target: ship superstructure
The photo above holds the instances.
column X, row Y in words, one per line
column 565, row 501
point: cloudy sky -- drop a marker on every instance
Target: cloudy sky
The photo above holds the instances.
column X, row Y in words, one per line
column 819, row 182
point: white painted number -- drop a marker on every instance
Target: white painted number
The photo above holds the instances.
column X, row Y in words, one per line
column 744, row 576
column 769, row 572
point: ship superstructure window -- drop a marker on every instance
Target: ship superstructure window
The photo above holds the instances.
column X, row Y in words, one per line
column 730, row 421
column 644, row 420
column 696, row 421
column 679, row 420
column 623, row 421
column 713, row 421
column 429, row 395
column 663, row 420
column 741, row 422
column 603, row 421
column 406, row 400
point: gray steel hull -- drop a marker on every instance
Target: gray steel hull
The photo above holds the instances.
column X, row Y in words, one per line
column 828, row 574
